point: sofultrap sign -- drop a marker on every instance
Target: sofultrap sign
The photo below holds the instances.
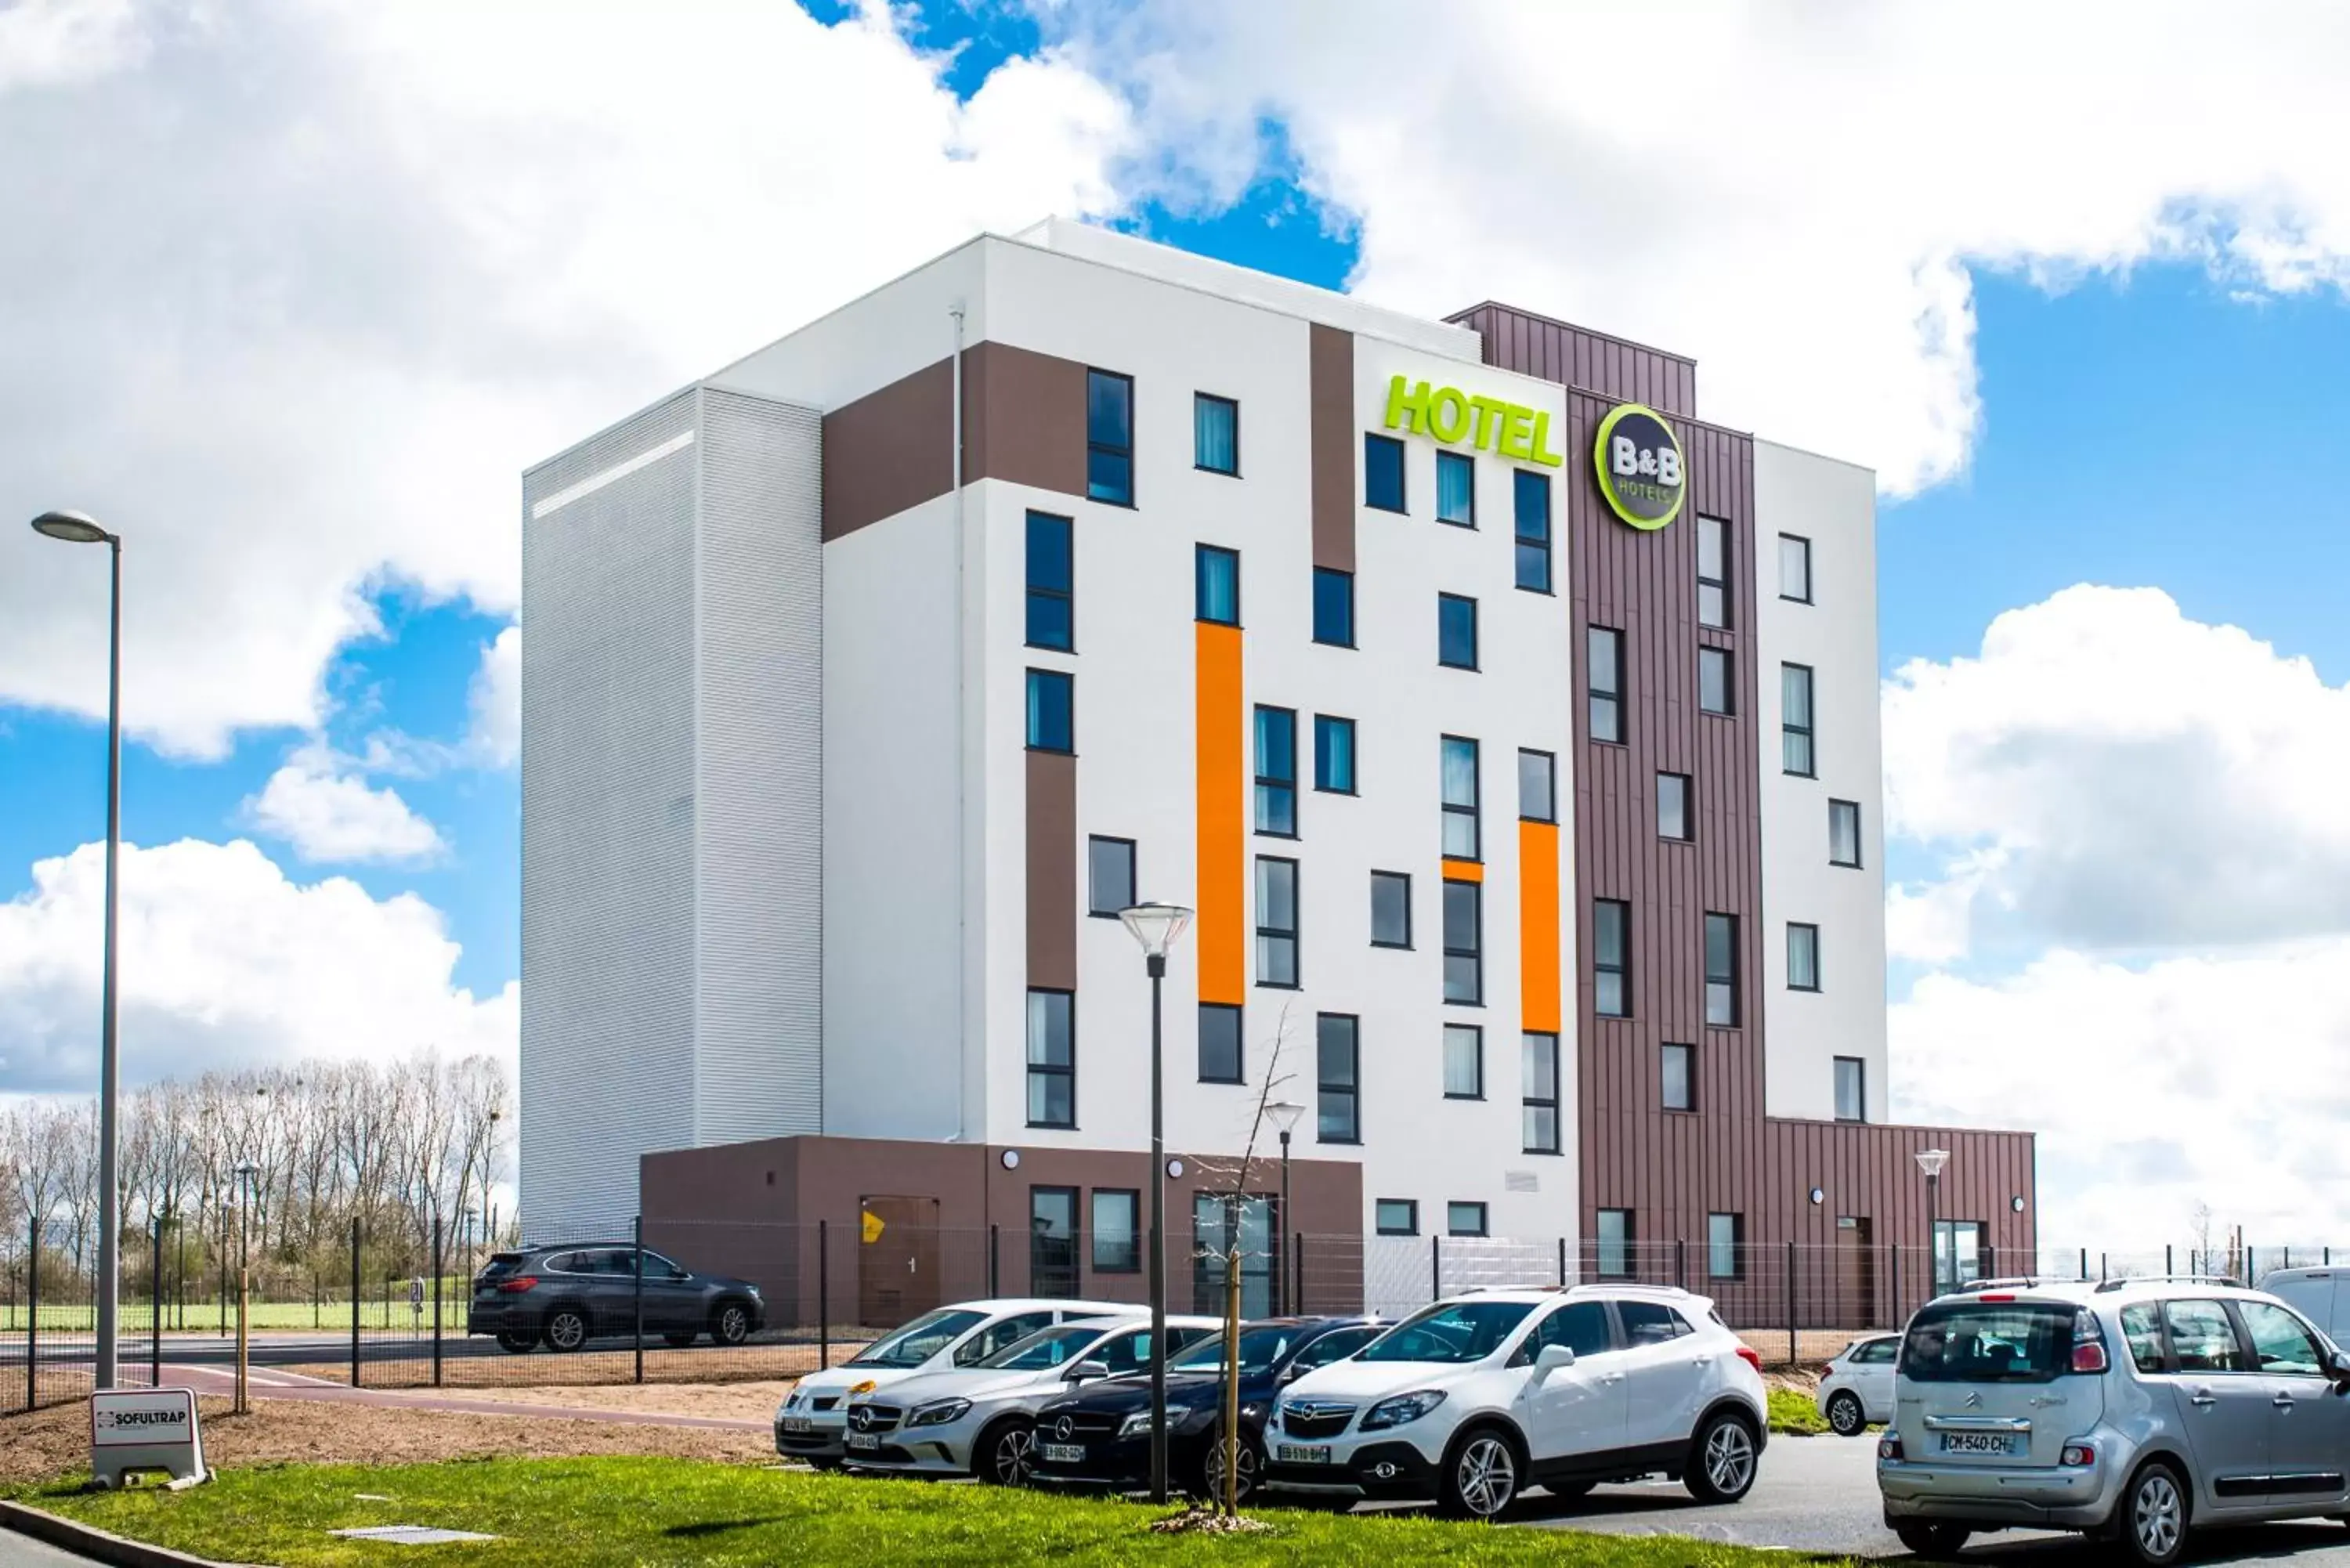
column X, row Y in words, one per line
column 135, row 1429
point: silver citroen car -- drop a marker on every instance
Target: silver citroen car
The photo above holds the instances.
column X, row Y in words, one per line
column 2132, row 1410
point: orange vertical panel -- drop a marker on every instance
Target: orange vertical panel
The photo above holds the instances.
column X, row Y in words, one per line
column 1221, row 793
column 1538, row 944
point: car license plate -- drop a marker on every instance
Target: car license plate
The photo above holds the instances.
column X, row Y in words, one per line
column 1977, row 1443
column 1063, row 1453
column 799, row 1425
column 863, row 1441
column 1300, row 1454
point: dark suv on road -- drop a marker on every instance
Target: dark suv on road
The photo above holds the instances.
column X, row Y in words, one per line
column 1100, row 1436
column 564, row 1296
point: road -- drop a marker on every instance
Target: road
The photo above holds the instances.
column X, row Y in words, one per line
column 1819, row 1494
column 24, row 1551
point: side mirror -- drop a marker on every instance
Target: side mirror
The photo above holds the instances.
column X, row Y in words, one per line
column 2338, row 1365
column 1552, row 1357
column 1290, row 1374
column 1084, row 1370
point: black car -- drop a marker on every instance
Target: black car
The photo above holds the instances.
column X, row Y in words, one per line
column 1100, row 1435
column 564, row 1296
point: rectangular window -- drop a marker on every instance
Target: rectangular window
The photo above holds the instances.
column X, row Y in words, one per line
column 1216, row 585
column 1464, row 1218
column 1605, row 650
column 1851, row 1089
column 1053, row 1241
column 1715, row 682
column 1117, row 1230
column 1722, row 970
column 1674, row 806
column 1052, row 710
column 1051, row 582
column 1109, row 876
column 1464, row 936
column 1724, row 1248
column 1391, row 909
column 1464, row 1061
column 1844, row 833
column 1337, row 1105
column 1334, row 608
column 1614, row 1238
column 1533, row 496
column 1219, row 1043
column 1680, row 1088
column 1459, row 796
column 1456, row 489
column 1611, row 958
column 1383, row 473
column 1276, row 922
column 1456, row 632
column 1334, row 754
column 1712, row 572
column 1538, row 1081
column 1277, row 772
column 1537, row 786
column 1215, row 433
column 1396, row 1217
column 1052, row 1059
column 1795, row 568
column 1803, row 957
column 1109, row 438
column 1795, row 720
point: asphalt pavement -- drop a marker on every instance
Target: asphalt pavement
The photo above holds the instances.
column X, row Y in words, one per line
column 24, row 1551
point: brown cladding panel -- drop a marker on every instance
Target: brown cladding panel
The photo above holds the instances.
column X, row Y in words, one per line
column 1052, row 870
column 1331, row 436
column 889, row 451
column 1026, row 418
column 1589, row 361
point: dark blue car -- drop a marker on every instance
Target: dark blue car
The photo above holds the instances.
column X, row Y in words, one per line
column 1099, row 1436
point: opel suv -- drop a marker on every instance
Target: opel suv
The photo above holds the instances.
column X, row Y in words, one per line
column 1478, row 1397
column 2133, row 1410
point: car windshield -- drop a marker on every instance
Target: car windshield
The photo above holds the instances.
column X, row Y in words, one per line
column 1989, row 1342
column 920, row 1339
column 1450, row 1332
column 1046, row 1348
column 1261, row 1349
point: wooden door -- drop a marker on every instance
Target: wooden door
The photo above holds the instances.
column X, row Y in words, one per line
column 1857, row 1304
column 897, row 1260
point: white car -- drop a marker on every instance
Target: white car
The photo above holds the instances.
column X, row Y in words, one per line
column 979, row 1420
column 2322, row 1296
column 1857, row 1391
column 1473, row 1399
column 813, row 1420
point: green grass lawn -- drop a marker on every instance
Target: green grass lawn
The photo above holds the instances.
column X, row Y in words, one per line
column 577, row 1513
column 1794, row 1414
column 203, row 1316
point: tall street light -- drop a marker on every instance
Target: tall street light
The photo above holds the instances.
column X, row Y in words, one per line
column 75, row 529
column 1157, row 927
column 1930, row 1161
column 1284, row 1115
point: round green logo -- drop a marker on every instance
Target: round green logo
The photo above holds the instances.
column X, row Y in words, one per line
column 1638, row 464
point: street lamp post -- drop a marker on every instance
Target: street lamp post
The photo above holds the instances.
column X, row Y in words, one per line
column 1930, row 1161
column 1284, row 1115
column 75, row 529
column 1157, row 927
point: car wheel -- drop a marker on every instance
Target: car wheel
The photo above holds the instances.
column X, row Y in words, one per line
column 567, row 1329
column 679, row 1340
column 1846, row 1417
column 1480, row 1477
column 516, row 1342
column 1212, row 1469
column 1722, row 1459
column 1003, row 1454
column 2154, row 1516
column 729, row 1325
column 1932, row 1542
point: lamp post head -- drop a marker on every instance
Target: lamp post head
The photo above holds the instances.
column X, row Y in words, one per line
column 1157, row 927
column 1284, row 1115
column 73, row 527
column 1932, row 1161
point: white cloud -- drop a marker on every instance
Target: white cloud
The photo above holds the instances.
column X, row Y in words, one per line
column 330, row 814
column 495, row 702
column 296, row 290
column 226, row 963
column 2115, row 775
column 1793, row 194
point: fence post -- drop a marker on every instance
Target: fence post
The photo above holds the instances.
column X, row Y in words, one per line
column 824, row 1294
column 994, row 1235
column 637, row 1230
column 155, row 1335
column 2085, row 1263
column 1297, row 1257
column 355, row 1301
column 2251, row 1271
column 32, row 1319
column 1562, row 1263
column 1791, row 1303
column 1435, row 1267
column 2166, row 1270
column 1681, row 1261
column 2101, row 1268
column 1896, row 1315
column 436, row 1298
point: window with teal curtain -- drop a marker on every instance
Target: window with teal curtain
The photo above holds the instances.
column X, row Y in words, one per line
column 1215, row 433
column 1456, row 489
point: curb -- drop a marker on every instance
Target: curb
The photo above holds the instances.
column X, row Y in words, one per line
column 98, row 1545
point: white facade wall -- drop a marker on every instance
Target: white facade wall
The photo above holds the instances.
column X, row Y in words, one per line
column 1833, row 504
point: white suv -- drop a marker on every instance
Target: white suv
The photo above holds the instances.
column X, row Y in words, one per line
column 1471, row 1400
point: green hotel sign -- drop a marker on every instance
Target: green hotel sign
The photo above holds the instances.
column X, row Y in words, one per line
column 1447, row 414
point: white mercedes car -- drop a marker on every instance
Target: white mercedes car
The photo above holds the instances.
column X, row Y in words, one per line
column 979, row 1420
